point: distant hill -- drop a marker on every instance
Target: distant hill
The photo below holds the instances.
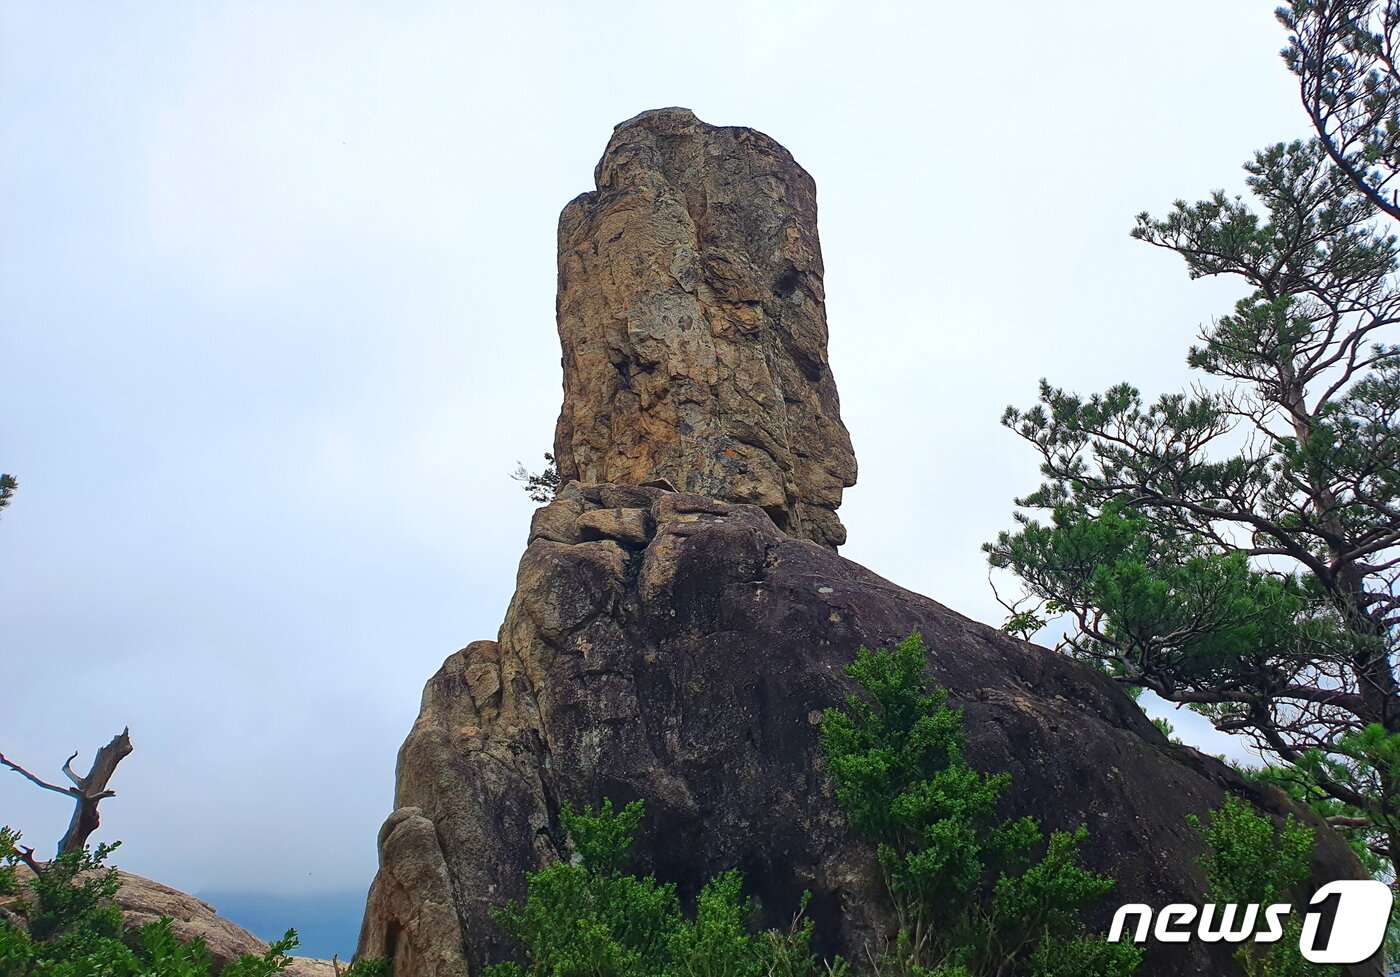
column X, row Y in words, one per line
column 328, row 923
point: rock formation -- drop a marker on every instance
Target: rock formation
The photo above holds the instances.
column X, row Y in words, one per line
column 143, row 901
column 693, row 323
column 679, row 646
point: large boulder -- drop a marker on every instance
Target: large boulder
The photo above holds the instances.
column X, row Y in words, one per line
column 689, row 668
column 680, row 646
column 411, row 915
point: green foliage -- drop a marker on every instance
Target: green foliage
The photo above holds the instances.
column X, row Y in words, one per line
column 1345, row 819
column 1166, row 729
column 602, row 840
column 1083, row 956
column 540, row 486
column 64, row 924
column 72, row 901
column 970, row 899
column 8, row 485
column 9, row 840
column 587, row 918
column 1342, row 52
column 376, row 967
column 1235, row 547
column 1252, row 862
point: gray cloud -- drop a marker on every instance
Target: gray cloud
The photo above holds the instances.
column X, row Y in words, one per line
column 278, row 293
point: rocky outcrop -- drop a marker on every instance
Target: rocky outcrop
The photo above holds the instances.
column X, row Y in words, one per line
column 693, row 324
column 681, row 618
column 689, row 668
column 145, row 901
column 412, row 911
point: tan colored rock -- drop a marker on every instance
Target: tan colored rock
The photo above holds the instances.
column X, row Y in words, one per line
column 558, row 521
column 146, row 901
column 143, row 901
column 411, row 915
column 692, row 317
column 630, row 496
column 623, row 525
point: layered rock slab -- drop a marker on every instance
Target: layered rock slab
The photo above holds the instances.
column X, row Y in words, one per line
column 689, row 668
column 692, row 319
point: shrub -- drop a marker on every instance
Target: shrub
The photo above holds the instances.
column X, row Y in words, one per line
column 1250, row 861
column 589, row 918
column 968, row 898
column 540, row 486
column 63, row 924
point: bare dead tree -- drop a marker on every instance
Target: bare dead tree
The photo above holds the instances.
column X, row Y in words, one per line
column 87, row 792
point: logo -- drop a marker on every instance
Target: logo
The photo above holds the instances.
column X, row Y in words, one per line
column 1344, row 922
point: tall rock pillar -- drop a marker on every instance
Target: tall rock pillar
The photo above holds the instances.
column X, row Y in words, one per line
column 692, row 318
column 679, row 644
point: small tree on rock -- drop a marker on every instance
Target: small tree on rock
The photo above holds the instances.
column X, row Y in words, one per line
column 1236, row 547
column 969, row 897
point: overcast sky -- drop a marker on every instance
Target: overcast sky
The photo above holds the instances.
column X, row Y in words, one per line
column 277, row 303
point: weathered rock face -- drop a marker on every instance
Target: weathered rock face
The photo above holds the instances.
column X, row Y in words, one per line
column 412, row 911
column 688, row 668
column 693, row 325
column 679, row 646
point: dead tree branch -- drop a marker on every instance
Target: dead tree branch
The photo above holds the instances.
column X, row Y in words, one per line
column 30, row 777
column 87, row 791
column 26, row 855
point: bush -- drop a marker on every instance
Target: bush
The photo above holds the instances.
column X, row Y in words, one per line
column 968, row 898
column 1252, row 862
column 540, row 486
column 63, row 924
column 589, row 918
